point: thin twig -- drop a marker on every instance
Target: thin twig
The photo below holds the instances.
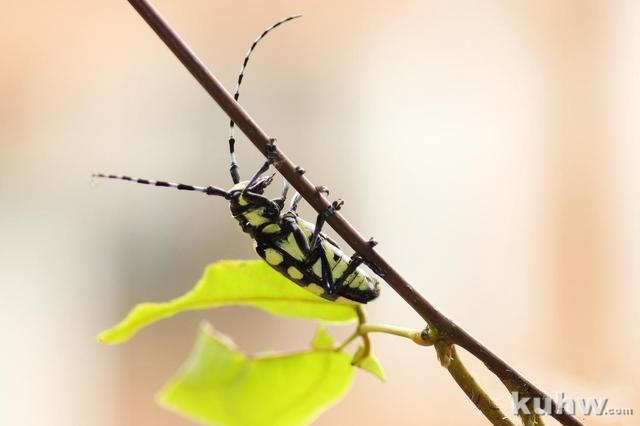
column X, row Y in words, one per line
column 417, row 336
column 260, row 139
column 450, row 360
column 528, row 419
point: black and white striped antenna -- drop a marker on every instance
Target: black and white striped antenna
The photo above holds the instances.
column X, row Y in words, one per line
column 208, row 190
column 235, row 176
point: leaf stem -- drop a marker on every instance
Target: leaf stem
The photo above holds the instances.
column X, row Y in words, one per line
column 362, row 319
column 348, row 340
column 415, row 335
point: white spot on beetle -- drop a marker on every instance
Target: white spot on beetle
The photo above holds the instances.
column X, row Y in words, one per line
column 273, row 257
column 315, row 289
column 294, row 273
column 317, row 268
column 272, row 228
column 291, row 247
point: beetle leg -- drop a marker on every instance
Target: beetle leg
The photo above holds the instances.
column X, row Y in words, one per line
column 297, row 197
column 330, row 241
column 322, row 218
column 282, row 198
column 312, row 256
column 294, row 202
column 356, row 260
column 375, row 268
column 271, row 158
column 327, row 277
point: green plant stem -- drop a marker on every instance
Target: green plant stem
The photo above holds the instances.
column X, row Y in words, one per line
column 415, row 335
column 366, row 342
column 362, row 319
column 348, row 340
column 449, row 358
column 531, row 419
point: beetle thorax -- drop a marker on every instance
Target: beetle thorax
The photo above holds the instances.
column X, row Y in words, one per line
column 255, row 217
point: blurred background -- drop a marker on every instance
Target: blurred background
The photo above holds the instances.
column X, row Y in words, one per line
column 491, row 147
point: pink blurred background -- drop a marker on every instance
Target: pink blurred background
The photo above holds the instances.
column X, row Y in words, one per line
column 491, row 147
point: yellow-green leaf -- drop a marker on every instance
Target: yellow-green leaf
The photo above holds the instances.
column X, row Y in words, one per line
column 220, row 386
column 370, row 363
column 232, row 282
column 322, row 339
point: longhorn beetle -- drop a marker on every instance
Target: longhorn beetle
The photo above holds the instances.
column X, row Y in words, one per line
column 295, row 248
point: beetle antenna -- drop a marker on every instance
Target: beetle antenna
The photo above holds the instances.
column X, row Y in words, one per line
column 235, row 176
column 209, row 190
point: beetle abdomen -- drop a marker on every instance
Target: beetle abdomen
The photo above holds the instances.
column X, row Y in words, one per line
column 288, row 258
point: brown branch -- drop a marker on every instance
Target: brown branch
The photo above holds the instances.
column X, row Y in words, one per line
column 259, row 138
